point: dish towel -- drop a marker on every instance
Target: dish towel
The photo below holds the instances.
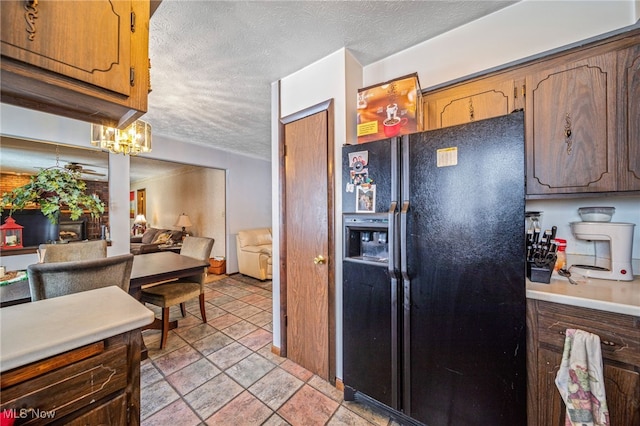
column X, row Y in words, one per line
column 581, row 382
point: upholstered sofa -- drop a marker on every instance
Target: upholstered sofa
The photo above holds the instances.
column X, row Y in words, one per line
column 149, row 241
column 254, row 253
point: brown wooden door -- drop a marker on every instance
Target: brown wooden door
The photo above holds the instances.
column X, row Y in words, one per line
column 307, row 227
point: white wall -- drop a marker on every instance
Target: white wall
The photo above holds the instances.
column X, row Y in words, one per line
column 338, row 77
column 248, row 192
column 198, row 192
column 519, row 31
column 562, row 212
column 516, row 32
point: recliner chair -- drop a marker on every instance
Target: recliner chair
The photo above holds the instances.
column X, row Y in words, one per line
column 254, row 249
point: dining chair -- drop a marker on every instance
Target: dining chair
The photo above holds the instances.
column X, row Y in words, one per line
column 82, row 250
column 178, row 292
column 48, row 280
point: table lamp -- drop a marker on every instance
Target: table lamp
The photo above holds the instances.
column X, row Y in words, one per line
column 184, row 222
column 139, row 224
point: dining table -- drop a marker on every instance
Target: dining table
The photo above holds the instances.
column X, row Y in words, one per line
column 152, row 268
column 147, row 269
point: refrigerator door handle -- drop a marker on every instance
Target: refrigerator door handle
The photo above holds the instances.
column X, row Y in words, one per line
column 392, row 239
column 406, row 313
column 403, row 240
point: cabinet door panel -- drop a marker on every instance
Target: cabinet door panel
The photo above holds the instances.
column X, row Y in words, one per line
column 113, row 412
column 470, row 102
column 622, row 388
column 477, row 107
column 86, row 41
column 623, row 395
column 551, row 409
column 571, row 127
column 629, row 107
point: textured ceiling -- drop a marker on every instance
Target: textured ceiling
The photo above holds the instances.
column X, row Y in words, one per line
column 213, row 61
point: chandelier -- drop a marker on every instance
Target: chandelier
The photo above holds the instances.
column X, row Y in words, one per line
column 133, row 140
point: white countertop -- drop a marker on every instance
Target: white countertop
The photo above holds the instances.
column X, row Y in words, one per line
column 622, row 297
column 34, row 331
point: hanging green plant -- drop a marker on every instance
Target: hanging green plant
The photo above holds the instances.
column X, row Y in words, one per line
column 52, row 189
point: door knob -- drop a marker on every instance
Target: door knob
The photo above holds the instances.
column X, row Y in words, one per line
column 318, row 260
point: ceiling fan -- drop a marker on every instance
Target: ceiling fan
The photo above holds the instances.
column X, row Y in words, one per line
column 78, row 168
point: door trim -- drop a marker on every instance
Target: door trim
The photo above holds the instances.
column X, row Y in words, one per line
column 327, row 107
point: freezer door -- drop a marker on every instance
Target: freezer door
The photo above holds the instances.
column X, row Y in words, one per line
column 364, row 165
column 465, row 274
column 370, row 360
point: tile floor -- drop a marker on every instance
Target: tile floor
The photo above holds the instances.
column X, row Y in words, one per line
column 224, row 373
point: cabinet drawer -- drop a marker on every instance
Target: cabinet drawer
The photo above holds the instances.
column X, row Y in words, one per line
column 68, row 389
column 619, row 334
column 113, row 412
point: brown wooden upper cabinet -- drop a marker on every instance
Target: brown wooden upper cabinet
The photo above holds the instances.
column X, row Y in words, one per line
column 582, row 115
column 629, row 118
column 84, row 60
column 583, row 125
column 571, row 127
column 478, row 100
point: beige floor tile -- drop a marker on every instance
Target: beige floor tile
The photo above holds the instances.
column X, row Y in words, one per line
column 245, row 409
column 308, row 407
column 225, row 373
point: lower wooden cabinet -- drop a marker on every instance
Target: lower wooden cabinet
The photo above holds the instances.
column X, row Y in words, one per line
column 620, row 339
column 98, row 384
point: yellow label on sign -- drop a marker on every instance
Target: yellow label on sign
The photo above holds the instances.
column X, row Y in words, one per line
column 368, row 128
column 447, row 157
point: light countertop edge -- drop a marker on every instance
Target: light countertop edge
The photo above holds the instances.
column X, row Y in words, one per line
column 622, row 297
column 34, row 331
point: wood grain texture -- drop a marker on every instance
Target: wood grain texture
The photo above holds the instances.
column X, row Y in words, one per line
column 576, row 97
column 620, row 340
column 73, row 387
column 22, row 374
column 100, row 31
column 478, row 101
column 629, row 118
column 307, row 237
column 78, row 76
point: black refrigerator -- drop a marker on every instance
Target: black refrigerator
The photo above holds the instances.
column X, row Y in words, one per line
column 434, row 274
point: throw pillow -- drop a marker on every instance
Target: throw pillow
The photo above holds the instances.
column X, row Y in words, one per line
column 149, row 235
column 162, row 238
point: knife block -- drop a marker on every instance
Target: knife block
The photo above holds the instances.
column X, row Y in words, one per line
column 538, row 274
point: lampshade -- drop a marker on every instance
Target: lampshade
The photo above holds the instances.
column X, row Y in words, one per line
column 133, row 140
column 140, row 219
column 183, row 221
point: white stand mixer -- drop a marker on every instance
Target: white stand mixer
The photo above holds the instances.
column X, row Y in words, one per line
column 614, row 246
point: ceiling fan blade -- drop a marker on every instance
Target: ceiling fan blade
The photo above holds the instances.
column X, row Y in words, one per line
column 92, row 172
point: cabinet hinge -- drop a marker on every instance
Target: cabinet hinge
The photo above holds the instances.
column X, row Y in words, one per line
column 515, row 93
column 132, row 76
column 286, row 320
column 524, row 90
column 133, row 22
column 284, row 151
